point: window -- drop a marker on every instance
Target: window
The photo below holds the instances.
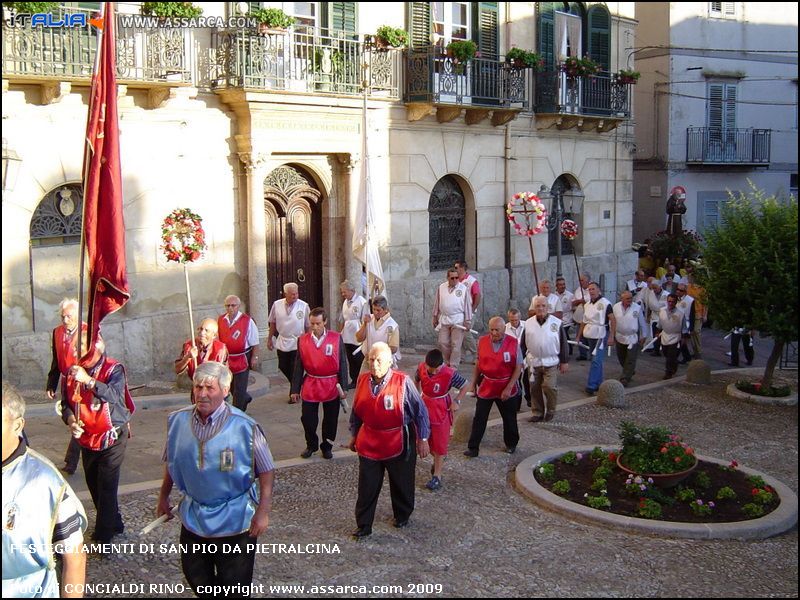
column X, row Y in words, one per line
column 569, row 29
column 447, row 224
column 722, row 10
column 450, row 21
column 306, row 13
column 721, row 120
column 709, row 206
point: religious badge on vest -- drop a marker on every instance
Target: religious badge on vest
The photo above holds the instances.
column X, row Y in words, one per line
column 388, row 402
column 553, row 327
column 236, row 334
column 458, row 293
column 226, row 460
column 328, row 349
column 11, row 518
column 506, row 356
column 300, row 314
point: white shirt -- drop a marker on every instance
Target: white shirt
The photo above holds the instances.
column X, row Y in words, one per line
column 353, row 312
column 686, row 304
column 382, row 332
column 654, row 303
column 594, row 317
column 290, row 321
column 630, row 325
column 517, row 331
column 453, row 305
column 565, row 306
column 671, row 324
column 577, row 314
column 543, row 341
column 553, row 304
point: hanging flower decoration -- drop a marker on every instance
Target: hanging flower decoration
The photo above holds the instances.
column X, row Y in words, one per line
column 535, row 213
column 569, row 229
column 183, row 236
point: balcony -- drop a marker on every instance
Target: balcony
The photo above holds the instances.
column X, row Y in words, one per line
column 717, row 146
column 592, row 102
column 436, row 83
column 51, row 56
column 303, row 60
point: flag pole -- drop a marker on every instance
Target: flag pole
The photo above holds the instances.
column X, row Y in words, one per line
column 191, row 318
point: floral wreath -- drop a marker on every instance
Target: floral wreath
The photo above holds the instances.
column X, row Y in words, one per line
column 569, row 229
column 183, row 236
column 529, row 204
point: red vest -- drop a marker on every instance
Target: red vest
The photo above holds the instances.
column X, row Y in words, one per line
column 96, row 422
column 321, row 366
column 381, row 434
column 435, row 392
column 217, row 352
column 66, row 353
column 235, row 338
column 496, row 367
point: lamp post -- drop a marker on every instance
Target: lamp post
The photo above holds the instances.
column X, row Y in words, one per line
column 556, row 214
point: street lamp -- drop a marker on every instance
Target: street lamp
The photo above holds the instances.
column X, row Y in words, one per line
column 558, row 198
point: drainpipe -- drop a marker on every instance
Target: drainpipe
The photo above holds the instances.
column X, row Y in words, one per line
column 506, row 228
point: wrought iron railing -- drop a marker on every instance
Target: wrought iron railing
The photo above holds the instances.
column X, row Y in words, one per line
column 304, row 60
column 600, row 94
column 433, row 76
column 143, row 53
column 715, row 145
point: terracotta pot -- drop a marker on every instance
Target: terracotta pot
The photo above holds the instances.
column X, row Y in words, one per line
column 662, row 480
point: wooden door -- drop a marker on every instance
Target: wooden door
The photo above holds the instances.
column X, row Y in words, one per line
column 293, row 235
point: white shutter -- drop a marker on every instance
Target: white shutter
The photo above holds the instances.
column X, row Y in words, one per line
column 728, row 8
column 715, row 9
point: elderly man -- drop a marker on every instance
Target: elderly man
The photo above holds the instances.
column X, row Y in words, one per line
column 320, row 376
column 581, row 297
column 41, row 513
column 565, row 299
column 629, row 331
column 473, row 285
column 553, row 305
column 219, row 459
column 239, row 333
column 545, row 348
column 516, row 327
column 97, row 407
column 688, row 306
column 670, row 319
column 654, row 301
column 206, row 348
column 597, row 315
column 452, row 316
column 288, row 320
column 673, row 274
column 637, row 286
column 64, row 356
column 379, row 327
column 495, row 380
column 354, row 309
column 385, row 406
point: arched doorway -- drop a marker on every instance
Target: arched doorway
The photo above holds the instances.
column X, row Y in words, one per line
column 447, row 224
column 293, row 236
column 561, row 187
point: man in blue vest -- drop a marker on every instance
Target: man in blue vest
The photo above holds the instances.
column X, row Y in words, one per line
column 219, row 459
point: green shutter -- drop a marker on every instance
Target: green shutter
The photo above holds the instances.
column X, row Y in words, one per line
column 545, row 32
column 419, row 24
column 600, row 36
column 341, row 17
column 484, row 29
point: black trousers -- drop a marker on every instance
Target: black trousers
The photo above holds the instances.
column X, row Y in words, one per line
column 401, row 482
column 746, row 340
column 684, row 349
column 508, row 410
column 656, row 331
column 526, row 386
column 239, row 387
column 671, row 354
column 286, row 363
column 354, row 362
column 73, row 454
column 330, row 420
column 102, row 469
column 205, row 564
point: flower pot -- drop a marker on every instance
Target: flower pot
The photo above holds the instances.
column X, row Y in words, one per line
column 662, row 480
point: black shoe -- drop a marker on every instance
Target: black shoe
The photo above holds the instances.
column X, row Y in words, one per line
column 580, row 358
column 736, row 365
column 307, row 453
column 549, row 417
column 535, row 419
column 327, row 454
column 590, row 391
column 67, row 470
column 401, row 524
column 657, row 353
column 470, row 452
column 362, row 532
column 510, row 450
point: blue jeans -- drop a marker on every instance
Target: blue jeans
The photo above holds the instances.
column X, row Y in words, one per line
column 596, row 368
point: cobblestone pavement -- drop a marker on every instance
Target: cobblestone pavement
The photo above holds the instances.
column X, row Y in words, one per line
column 478, row 537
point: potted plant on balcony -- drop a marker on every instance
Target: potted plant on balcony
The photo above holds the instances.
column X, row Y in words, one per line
column 171, row 10
column 628, row 76
column 271, row 20
column 461, row 51
column 576, row 67
column 328, row 65
column 521, row 59
column 390, row 37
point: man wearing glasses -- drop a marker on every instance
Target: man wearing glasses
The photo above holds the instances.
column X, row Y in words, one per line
column 240, row 335
column 452, row 315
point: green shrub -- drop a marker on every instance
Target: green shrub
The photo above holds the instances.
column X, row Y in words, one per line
column 597, row 453
column 560, row 487
column 763, row 497
column 546, row 471
column 726, row 493
column 599, row 484
column 569, row 458
column 392, row 36
column 702, row 480
column 602, row 472
column 756, row 481
column 598, row 502
column 649, row 509
column 685, row 494
column 171, row 10
column 753, row 510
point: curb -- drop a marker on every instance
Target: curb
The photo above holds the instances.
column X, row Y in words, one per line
column 778, row 521
column 259, row 387
column 734, row 392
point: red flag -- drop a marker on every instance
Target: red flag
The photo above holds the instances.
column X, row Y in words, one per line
column 104, row 228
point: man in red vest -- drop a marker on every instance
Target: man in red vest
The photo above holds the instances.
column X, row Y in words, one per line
column 240, row 335
column 97, row 406
column 385, row 406
column 320, row 377
column 495, row 381
column 206, row 347
column 64, row 356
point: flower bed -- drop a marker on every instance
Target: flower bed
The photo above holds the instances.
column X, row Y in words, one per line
column 713, row 494
column 750, row 387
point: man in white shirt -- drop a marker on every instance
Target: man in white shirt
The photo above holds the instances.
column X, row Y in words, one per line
column 553, row 307
column 565, row 299
column 671, row 319
column 597, row 314
column 545, row 346
column 672, row 272
column 379, row 327
column 655, row 299
column 581, row 297
column 354, row 309
column 637, row 286
column 629, row 331
column 288, row 320
column 452, row 316
column 516, row 327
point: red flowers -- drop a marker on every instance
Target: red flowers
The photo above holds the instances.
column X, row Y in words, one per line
column 182, row 236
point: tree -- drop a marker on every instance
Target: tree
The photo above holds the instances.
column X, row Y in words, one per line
column 751, row 276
